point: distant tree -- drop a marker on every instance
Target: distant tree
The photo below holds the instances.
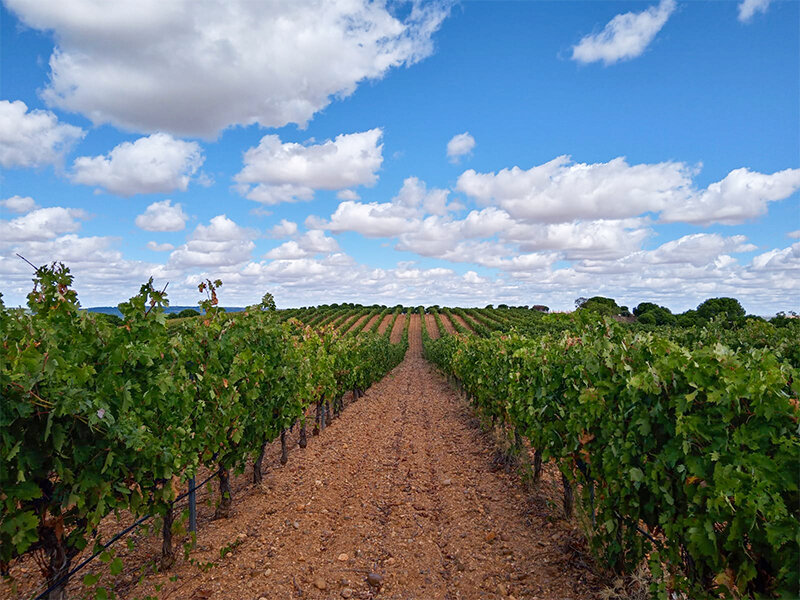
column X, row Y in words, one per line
column 644, row 307
column 690, row 318
column 657, row 316
column 729, row 308
column 540, row 308
column 601, row 305
column 489, row 306
column 183, row 314
column 580, row 301
column 267, row 302
column 503, row 306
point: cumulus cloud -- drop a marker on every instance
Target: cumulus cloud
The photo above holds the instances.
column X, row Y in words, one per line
column 742, row 195
column 561, row 191
column 626, row 36
column 347, row 195
column 221, row 243
column 748, row 8
column 41, row 224
column 283, row 229
column 276, row 172
column 310, row 244
column 156, row 247
column 33, row 138
column 18, row 204
column 459, row 145
column 194, row 69
column 162, row 216
column 155, row 164
column 795, row 235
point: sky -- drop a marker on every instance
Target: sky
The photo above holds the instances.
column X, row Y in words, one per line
column 452, row 153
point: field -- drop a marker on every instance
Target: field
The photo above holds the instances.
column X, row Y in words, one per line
column 395, row 452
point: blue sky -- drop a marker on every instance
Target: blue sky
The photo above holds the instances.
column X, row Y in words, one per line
column 647, row 151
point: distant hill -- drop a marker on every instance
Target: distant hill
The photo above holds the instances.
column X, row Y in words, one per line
column 113, row 310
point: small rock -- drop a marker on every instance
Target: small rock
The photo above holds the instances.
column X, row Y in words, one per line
column 296, row 525
column 390, row 561
column 343, row 557
column 268, row 572
column 501, row 589
column 446, row 482
column 300, row 507
column 317, row 482
column 320, row 584
column 490, row 536
column 241, row 537
column 344, row 581
column 346, row 593
column 375, row 580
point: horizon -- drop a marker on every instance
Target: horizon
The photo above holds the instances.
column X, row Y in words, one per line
column 426, row 153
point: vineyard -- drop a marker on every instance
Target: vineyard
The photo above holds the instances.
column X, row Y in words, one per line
column 671, row 448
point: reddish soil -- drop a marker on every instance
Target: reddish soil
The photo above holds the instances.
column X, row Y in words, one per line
column 397, row 330
column 458, row 319
column 387, row 320
column 357, row 324
column 405, row 485
column 371, row 323
column 447, row 324
column 432, row 327
column 344, row 324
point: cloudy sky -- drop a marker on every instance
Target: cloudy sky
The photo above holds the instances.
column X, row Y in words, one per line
column 417, row 153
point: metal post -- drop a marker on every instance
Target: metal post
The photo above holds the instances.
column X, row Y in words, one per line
column 192, row 506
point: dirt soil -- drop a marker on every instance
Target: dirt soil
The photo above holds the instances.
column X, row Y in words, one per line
column 403, row 489
column 447, row 324
column 369, row 325
column 357, row 324
column 397, row 330
column 387, row 320
column 458, row 319
column 432, row 327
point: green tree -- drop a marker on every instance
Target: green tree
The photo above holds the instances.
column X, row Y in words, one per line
column 730, row 308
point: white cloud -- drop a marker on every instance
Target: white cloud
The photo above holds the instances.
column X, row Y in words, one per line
column 624, row 37
column 153, row 164
column 748, row 8
column 795, row 235
column 33, row 138
column 277, row 172
column 779, row 260
column 221, row 243
column 283, row 229
column 18, row 204
column 459, row 145
column 162, row 216
column 41, row 224
column 196, row 68
column 742, row 195
column 310, row 244
column 561, row 191
column 156, row 247
column 347, row 195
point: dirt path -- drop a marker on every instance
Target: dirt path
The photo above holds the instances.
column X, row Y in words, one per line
column 357, row 324
column 387, row 320
column 432, row 327
column 371, row 323
column 459, row 319
column 447, row 324
column 397, row 330
column 402, row 485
